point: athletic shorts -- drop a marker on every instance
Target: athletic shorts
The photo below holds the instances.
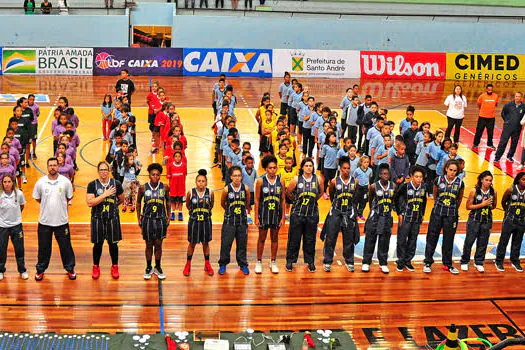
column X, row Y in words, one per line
column 154, row 228
column 176, row 199
column 155, row 128
column 33, row 134
column 269, row 227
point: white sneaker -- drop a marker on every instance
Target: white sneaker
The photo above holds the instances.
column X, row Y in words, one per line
column 258, row 267
column 365, row 268
column 427, row 268
column 24, row 179
column 350, row 267
column 480, row 268
column 519, row 167
column 24, row 275
column 464, row 267
column 273, row 267
column 384, row 269
column 1, row 276
column 327, row 267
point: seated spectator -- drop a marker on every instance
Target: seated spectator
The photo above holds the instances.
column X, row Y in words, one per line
column 46, row 7
column 110, row 3
column 29, row 7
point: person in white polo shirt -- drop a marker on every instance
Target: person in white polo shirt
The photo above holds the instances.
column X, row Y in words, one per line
column 53, row 192
column 12, row 203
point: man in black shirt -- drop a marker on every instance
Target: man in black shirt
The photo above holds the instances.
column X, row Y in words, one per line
column 46, row 7
column 511, row 113
column 125, row 86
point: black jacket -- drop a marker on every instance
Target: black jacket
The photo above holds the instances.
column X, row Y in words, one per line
column 512, row 115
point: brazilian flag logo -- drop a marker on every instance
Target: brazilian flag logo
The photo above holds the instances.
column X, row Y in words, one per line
column 297, row 64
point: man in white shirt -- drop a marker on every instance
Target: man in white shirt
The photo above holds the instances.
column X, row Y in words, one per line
column 53, row 192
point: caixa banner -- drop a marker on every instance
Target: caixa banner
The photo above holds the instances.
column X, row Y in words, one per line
column 403, row 65
column 232, row 62
column 138, row 61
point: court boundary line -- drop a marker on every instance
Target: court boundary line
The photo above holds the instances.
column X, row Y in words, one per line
column 504, row 313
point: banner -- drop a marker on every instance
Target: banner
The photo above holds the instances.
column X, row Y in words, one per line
column 316, row 63
column 139, row 61
column 19, row 61
column 488, row 67
column 403, row 65
column 232, row 62
column 64, row 61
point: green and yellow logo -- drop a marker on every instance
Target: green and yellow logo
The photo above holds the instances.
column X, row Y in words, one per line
column 19, row 61
column 297, row 64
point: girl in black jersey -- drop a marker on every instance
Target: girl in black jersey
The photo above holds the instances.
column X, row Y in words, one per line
column 235, row 200
column 304, row 190
column 199, row 202
column 513, row 202
column 103, row 197
column 448, row 195
column 269, row 207
column 378, row 225
column 153, row 218
column 481, row 201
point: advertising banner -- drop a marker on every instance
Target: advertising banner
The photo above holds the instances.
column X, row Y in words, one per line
column 403, row 65
column 64, row 61
column 232, row 62
column 139, row 61
column 488, row 67
column 316, row 63
column 19, row 61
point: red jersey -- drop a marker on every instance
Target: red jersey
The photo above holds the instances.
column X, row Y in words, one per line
column 162, row 120
column 152, row 99
column 176, row 174
column 168, row 154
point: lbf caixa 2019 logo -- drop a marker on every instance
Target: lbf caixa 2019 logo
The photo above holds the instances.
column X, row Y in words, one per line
column 19, row 61
column 233, row 62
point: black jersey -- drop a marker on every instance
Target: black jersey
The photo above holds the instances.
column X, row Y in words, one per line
column 383, row 201
column 200, row 205
column 235, row 213
column 306, row 191
column 412, row 203
column 482, row 215
column 154, row 201
column 516, row 209
column 270, row 209
column 108, row 208
column 446, row 203
column 344, row 192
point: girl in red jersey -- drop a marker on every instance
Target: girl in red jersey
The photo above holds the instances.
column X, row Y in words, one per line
column 162, row 121
column 176, row 173
column 152, row 100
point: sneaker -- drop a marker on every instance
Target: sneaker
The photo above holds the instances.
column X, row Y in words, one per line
column 222, row 269
column 496, row 160
column 172, row 217
column 72, row 275
column 289, row 266
column 464, row 267
column 24, row 179
column 361, row 217
column 517, row 267
column 27, row 165
column 475, row 148
column 327, row 267
column 480, row 268
column 350, row 267
column 273, row 267
column 311, row 267
column 132, row 209
column 499, row 266
column 384, row 269
column 208, row 268
column 124, row 208
column 399, row 267
column 245, row 270
column 34, row 156
column 258, row 267
column 158, row 271
column 427, row 268
column 39, row 276
column 147, row 273
column 365, row 268
column 287, row 217
column 114, row 272
column 492, row 148
column 1, row 276
column 250, row 220
column 24, row 275
column 451, row 269
column 180, row 216
column 187, row 268
column 519, row 167
column 410, row 267
column 510, row 160
column 96, row 272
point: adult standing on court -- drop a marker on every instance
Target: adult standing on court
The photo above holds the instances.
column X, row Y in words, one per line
column 304, row 190
column 103, row 197
column 487, row 103
column 456, row 104
column 53, row 192
column 511, row 113
column 12, row 203
column 125, row 86
column 153, row 218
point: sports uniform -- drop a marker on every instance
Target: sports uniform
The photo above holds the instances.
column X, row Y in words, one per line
column 105, row 220
column 154, row 219
column 270, row 210
column 199, row 225
column 513, row 226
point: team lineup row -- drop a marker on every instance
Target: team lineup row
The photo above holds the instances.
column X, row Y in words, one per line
column 408, row 200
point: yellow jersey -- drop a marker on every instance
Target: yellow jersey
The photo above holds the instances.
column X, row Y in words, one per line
column 287, row 176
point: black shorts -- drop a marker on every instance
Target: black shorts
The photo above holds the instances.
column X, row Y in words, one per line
column 199, row 231
column 284, row 108
column 177, row 199
column 104, row 229
column 155, row 128
column 151, row 121
column 33, row 134
column 154, row 228
column 292, row 116
column 269, row 227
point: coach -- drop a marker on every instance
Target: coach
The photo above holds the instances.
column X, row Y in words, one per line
column 53, row 191
column 511, row 113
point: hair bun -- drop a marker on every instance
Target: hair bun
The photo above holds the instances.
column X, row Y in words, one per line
column 202, row 172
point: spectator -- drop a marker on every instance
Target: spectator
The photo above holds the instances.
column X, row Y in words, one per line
column 29, row 7
column 109, row 3
column 125, row 86
column 456, row 103
column 46, row 7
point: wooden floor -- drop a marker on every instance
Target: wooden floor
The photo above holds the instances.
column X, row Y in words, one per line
column 401, row 309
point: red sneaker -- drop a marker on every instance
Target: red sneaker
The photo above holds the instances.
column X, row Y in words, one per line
column 39, row 276
column 124, row 208
column 208, row 268
column 114, row 272
column 132, row 209
column 96, row 272
column 187, row 269
column 72, row 275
